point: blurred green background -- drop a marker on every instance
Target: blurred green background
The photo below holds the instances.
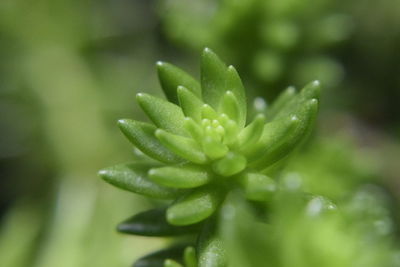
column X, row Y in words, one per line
column 70, row 69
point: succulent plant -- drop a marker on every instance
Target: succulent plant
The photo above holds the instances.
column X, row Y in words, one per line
column 201, row 147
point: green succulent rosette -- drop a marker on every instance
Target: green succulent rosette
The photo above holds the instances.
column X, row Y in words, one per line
column 201, row 146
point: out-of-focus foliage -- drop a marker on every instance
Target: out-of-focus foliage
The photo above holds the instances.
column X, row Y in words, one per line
column 273, row 43
column 313, row 232
column 333, row 167
column 58, row 96
column 372, row 61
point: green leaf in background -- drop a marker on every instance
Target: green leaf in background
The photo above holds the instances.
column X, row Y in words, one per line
column 157, row 259
column 246, row 239
column 153, row 223
column 189, row 257
column 258, row 187
column 211, row 249
column 171, row 263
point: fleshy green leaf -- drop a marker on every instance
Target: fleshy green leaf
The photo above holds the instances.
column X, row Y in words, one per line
column 213, row 78
column 310, row 112
column 157, row 259
column 190, row 103
column 164, row 114
column 185, row 176
column 239, row 227
column 141, row 134
column 193, row 129
column 182, row 146
column 153, row 223
column 210, row 248
column 273, row 133
column 133, row 177
column 207, row 112
column 258, row 187
column 230, row 106
column 231, row 132
column 234, row 84
column 250, row 135
column 171, row 77
column 171, row 263
column 194, row 206
column 231, row 164
column 285, row 97
column 213, row 148
column 309, row 92
column 189, row 257
column 285, row 145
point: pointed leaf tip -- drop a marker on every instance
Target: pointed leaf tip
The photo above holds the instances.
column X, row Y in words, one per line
column 213, row 78
column 250, row 135
column 190, row 103
column 230, row 106
column 303, row 121
column 133, row 177
column 311, row 90
column 164, row 114
column 272, row 134
column 234, row 84
column 141, row 135
column 171, row 77
column 207, row 50
column 207, row 112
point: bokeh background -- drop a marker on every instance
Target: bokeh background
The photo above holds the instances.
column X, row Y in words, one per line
column 69, row 69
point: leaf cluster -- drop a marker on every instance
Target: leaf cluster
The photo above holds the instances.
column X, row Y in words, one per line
column 200, row 147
